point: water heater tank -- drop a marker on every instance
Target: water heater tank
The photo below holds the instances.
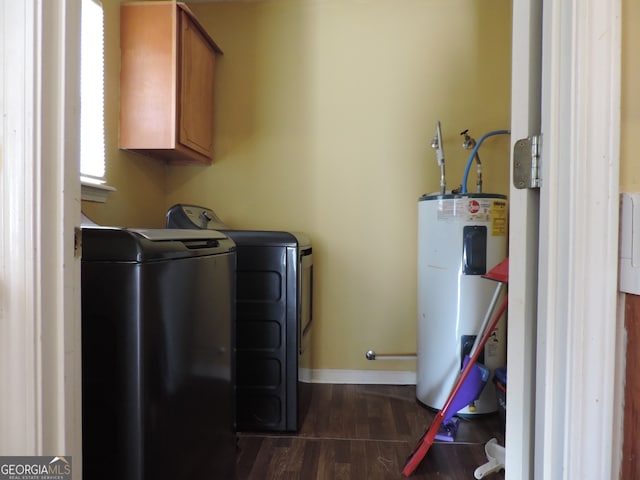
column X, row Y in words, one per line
column 460, row 238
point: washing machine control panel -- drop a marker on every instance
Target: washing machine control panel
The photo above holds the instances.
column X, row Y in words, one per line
column 193, row 216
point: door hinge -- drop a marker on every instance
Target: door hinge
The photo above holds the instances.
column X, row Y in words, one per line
column 526, row 162
column 77, row 242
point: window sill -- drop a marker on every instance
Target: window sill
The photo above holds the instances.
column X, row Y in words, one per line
column 92, row 192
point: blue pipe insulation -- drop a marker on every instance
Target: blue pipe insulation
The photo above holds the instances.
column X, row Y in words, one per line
column 475, row 151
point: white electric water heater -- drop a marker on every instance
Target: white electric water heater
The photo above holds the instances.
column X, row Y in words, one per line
column 460, row 238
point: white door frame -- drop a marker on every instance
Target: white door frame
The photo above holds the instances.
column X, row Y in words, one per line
column 577, row 412
column 577, row 297
column 40, row 356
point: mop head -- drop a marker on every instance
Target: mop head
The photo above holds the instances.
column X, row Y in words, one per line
column 447, row 431
column 469, row 392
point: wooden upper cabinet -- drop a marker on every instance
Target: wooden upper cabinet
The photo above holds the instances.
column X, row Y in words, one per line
column 166, row 82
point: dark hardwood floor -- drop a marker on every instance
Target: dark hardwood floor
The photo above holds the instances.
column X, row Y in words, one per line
column 365, row 432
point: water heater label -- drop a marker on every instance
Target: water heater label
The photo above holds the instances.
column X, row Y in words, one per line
column 465, row 209
column 499, row 218
column 475, row 210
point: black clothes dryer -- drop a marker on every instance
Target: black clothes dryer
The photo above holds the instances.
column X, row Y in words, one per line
column 274, row 294
column 157, row 374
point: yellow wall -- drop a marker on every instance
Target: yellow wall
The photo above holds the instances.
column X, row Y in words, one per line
column 325, row 113
column 325, row 116
column 630, row 108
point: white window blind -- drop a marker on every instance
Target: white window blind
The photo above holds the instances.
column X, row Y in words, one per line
column 92, row 147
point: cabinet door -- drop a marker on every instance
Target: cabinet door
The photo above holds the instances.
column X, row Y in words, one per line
column 195, row 107
column 147, row 76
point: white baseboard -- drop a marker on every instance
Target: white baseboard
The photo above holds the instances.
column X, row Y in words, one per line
column 357, row 377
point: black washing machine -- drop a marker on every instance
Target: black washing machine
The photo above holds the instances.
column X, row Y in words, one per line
column 157, row 371
column 274, row 292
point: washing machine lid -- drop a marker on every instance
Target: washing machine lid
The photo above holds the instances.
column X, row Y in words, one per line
column 111, row 244
column 172, row 234
column 268, row 238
